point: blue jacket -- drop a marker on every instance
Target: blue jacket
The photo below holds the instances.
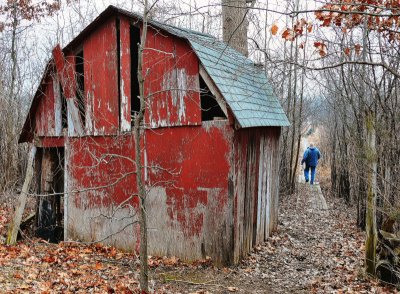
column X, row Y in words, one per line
column 311, row 156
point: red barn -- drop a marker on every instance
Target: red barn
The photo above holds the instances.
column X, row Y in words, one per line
column 210, row 141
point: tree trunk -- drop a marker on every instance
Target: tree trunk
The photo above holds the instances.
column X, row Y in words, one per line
column 141, row 189
column 14, row 51
column 235, row 24
column 370, row 221
column 19, row 210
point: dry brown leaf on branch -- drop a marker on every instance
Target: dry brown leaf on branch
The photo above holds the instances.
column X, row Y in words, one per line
column 288, row 35
column 321, row 47
column 357, row 48
column 274, row 29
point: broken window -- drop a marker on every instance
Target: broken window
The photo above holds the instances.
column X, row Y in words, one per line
column 80, row 86
column 134, row 48
column 210, row 109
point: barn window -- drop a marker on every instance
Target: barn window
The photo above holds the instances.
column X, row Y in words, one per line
column 210, row 109
column 80, row 85
column 134, row 48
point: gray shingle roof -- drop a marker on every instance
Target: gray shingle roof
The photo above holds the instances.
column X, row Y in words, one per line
column 244, row 86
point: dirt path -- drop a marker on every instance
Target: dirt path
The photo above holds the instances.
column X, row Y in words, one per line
column 315, row 250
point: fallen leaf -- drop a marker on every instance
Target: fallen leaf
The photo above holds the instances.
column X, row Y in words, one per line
column 98, row 266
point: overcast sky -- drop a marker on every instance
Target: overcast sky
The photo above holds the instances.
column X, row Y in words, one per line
column 200, row 15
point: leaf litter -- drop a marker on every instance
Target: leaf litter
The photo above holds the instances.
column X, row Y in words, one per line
column 314, row 251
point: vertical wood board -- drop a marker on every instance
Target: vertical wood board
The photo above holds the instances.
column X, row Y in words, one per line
column 101, row 78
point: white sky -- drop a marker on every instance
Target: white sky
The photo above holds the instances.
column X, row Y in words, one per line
column 200, row 15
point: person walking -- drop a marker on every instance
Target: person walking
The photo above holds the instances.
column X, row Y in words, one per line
column 310, row 158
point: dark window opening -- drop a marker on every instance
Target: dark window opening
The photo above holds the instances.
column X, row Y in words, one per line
column 134, row 48
column 210, row 109
column 64, row 115
column 80, row 86
column 49, row 207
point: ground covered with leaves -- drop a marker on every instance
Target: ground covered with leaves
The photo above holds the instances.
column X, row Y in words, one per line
column 314, row 251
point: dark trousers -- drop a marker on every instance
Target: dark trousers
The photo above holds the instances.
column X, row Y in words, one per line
column 307, row 172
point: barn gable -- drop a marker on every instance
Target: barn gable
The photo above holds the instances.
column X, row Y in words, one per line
column 242, row 86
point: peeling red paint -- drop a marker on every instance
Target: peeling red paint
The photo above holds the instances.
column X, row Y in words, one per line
column 125, row 84
column 97, row 168
column 45, row 120
column 192, row 160
column 172, row 84
column 65, row 69
column 101, row 78
column 47, row 142
column 199, row 158
column 212, row 189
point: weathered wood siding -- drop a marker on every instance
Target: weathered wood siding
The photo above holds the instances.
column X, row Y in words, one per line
column 45, row 120
column 125, row 72
column 170, row 67
column 101, row 80
column 172, row 83
column 256, row 179
column 189, row 211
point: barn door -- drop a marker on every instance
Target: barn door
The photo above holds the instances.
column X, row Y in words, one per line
column 49, row 207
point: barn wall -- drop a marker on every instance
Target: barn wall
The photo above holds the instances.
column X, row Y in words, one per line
column 125, row 75
column 101, row 80
column 189, row 211
column 46, row 113
column 172, row 84
column 256, row 179
column 171, row 70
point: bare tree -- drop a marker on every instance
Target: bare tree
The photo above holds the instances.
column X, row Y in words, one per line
column 138, row 122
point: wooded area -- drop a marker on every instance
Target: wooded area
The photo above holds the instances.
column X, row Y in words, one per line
column 334, row 66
